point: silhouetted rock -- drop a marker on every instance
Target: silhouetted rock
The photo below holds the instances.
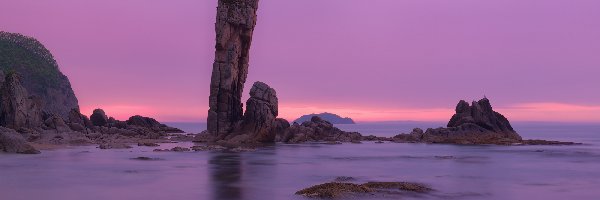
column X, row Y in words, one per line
column 261, row 111
column 234, row 27
column 330, row 117
column 99, row 117
column 13, row 142
column 40, row 72
column 114, row 145
column 316, row 130
column 75, row 117
column 17, row 108
column 477, row 123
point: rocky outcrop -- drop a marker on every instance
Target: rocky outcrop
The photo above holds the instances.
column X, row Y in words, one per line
column 98, row 117
column 17, row 108
column 261, row 111
column 339, row 189
column 234, row 27
column 40, row 72
column 477, row 123
column 316, row 130
column 330, row 117
column 150, row 123
column 13, row 142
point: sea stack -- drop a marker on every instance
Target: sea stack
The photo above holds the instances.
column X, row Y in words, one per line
column 234, row 27
column 477, row 123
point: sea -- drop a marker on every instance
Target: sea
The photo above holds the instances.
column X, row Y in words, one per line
column 278, row 171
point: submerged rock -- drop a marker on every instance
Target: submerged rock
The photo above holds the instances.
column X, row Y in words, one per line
column 114, row 146
column 547, row 142
column 405, row 186
column 339, row 189
column 333, row 189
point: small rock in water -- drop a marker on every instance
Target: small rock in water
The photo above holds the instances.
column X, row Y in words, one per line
column 148, row 144
column 344, row 179
column 333, row 142
column 406, row 186
column 180, row 149
column 145, row 158
column 114, row 146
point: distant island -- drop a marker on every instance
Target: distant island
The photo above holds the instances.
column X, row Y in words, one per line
column 333, row 118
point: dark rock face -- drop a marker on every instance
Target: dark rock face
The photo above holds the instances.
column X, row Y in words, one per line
column 316, row 130
column 18, row 109
column 56, row 122
column 261, row 111
column 40, row 72
column 472, row 124
column 13, row 142
column 99, row 117
column 235, row 24
column 75, row 117
column 330, row 117
column 481, row 114
column 147, row 122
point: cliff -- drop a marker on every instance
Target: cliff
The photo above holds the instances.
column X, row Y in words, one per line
column 40, row 73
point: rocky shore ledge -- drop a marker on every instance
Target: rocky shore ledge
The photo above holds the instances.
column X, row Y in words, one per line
column 341, row 188
column 25, row 127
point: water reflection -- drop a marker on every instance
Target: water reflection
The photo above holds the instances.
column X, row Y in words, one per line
column 225, row 170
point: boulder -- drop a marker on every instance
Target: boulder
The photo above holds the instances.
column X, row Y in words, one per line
column 56, row 122
column 260, row 115
column 98, row 117
column 13, row 142
column 76, row 117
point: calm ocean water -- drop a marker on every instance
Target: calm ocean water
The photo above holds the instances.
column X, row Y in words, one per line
column 473, row 172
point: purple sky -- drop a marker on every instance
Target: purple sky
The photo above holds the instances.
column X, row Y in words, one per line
column 537, row 60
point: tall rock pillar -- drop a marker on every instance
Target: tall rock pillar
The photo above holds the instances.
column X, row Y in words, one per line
column 234, row 27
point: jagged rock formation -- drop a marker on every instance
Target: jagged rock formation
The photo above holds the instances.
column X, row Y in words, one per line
column 234, row 27
column 330, row 117
column 261, row 111
column 17, row 108
column 477, row 123
column 40, row 72
column 147, row 122
column 316, row 130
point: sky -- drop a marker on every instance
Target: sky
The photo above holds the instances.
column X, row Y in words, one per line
column 372, row 60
